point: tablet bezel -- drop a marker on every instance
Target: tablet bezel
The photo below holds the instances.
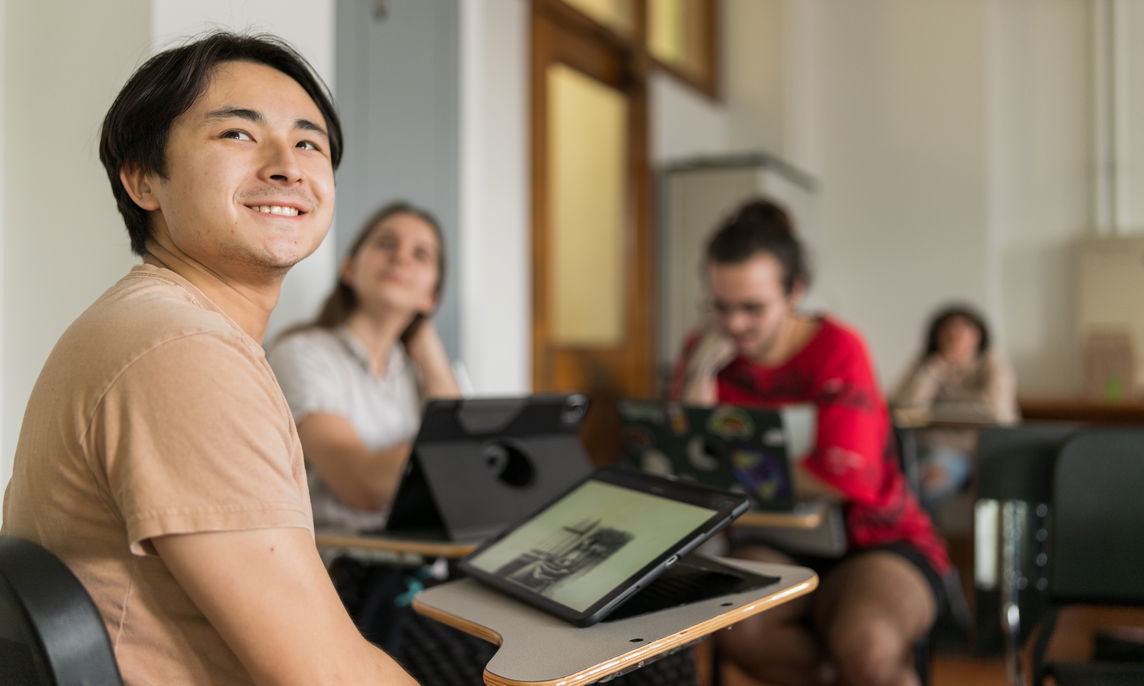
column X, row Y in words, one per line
column 725, row 507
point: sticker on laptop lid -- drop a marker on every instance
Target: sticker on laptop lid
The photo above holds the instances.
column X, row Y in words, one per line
column 730, row 422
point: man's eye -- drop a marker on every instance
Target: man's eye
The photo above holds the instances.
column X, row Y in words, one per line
column 306, row 145
column 237, row 135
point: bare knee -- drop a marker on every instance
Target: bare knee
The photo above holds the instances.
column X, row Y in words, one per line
column 871, row 653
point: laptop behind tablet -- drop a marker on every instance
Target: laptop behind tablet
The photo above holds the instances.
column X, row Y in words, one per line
column 727, row 447
column 478, row 464
column 600, row 547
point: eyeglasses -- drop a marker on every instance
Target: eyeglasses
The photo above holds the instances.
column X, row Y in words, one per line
column 725, row 309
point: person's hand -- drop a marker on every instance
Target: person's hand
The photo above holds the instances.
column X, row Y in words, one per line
column 427, row 351
column 426, row 347
column 714, row 351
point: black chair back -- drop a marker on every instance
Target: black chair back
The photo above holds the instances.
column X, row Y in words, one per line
column 50, row 631
column 1097, row 553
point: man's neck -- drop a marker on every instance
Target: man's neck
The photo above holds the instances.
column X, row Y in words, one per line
column 248, row 304
column 792, row 337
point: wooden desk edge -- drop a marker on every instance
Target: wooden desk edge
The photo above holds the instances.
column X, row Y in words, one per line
column 785, row 520
column 395, row 545
column 635, row 656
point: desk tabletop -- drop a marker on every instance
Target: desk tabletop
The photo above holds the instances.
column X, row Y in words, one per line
column 924, row 418
column 538, row 649
column 391, row 544
column 805, row 516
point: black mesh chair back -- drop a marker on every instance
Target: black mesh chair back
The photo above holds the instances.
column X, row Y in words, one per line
column 51, row 634
column 1096, row 552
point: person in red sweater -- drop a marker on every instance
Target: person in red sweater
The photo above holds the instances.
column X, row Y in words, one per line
column 874, row 603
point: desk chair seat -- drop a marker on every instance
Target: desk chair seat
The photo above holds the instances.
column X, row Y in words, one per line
column 50, row 631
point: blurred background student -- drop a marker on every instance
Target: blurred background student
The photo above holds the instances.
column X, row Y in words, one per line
column 356, row 379
column 357, row 376
column 959, row 377
column 876, row 601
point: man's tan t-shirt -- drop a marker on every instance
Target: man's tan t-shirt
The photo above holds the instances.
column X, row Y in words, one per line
column 155, row 414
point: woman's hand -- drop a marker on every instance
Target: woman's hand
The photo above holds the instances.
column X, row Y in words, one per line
column 427, row 351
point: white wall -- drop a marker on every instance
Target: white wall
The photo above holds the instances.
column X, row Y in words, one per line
column 1040, row 189
column 903, row 157
column 495, row 249
column 309, row 26
column 682, row 123
column 64, row 242
column 5, row 456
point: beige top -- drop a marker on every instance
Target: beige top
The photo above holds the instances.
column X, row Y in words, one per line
column 327, row 370
column 983, row 392
column 155, row 414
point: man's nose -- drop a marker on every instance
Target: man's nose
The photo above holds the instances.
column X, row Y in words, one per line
column 737, row 321
column 281, row 164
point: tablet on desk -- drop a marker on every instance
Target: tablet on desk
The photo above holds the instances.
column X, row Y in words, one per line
column 595, row 546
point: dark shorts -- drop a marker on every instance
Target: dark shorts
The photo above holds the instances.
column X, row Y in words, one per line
column 823, row 565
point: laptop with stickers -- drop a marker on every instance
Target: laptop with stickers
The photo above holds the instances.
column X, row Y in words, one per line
column 746, row 450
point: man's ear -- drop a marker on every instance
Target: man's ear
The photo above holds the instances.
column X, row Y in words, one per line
column 139, row 186
column 796, row 293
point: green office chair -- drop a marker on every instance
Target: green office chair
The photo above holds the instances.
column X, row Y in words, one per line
column 1096, row 552
column 51, row 634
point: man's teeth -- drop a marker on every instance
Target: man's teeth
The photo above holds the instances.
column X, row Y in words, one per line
column 276, row 209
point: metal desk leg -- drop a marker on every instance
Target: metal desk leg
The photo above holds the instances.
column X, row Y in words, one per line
column 1014, row 515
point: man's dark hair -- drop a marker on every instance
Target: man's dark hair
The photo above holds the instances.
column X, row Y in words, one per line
column 943, row 317
column 761, row 226
column 135, row 130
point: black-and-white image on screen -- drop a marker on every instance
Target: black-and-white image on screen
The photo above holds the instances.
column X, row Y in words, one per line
column 589, row 542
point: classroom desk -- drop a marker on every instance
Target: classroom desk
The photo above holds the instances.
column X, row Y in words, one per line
column 538, row 649
column 1127, row 412
column 388, row 544
column 806, row 516
column 921, row 418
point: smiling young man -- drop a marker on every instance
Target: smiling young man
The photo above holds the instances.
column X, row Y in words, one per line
column 158, row 458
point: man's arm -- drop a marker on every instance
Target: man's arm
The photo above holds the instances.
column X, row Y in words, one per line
column 266, row 592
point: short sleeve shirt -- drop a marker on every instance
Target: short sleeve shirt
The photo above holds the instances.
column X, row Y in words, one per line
column 327, row 370
column 854, row 450
column 155, row 414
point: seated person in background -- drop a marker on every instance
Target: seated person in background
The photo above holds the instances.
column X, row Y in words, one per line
column 356, row 379
column 873, row 604
column 357, row 376
column 957, row 378
column 157, row 458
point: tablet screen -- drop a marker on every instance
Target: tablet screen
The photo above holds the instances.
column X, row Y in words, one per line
column 580, row 549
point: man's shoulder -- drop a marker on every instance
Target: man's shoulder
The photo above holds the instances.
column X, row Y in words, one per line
column 150, row 305
column 144, row 310
column 840, row 333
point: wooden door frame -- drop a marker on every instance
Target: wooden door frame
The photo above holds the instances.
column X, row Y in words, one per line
column 560, row 34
